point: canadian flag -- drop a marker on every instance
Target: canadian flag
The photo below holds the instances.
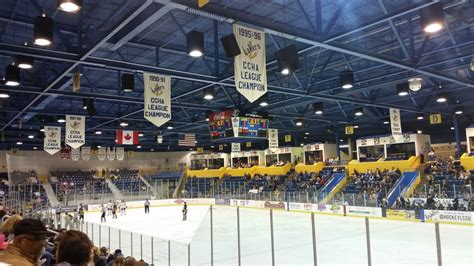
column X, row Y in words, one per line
column 127, row 137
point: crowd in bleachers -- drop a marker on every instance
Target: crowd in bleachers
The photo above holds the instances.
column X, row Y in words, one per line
column 23, row 177
column 26, row 241
column 128, row 180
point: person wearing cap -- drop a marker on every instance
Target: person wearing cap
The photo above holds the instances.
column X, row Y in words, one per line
column 28, row 244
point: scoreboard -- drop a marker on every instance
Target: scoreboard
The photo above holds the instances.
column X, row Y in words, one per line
column 232, row 124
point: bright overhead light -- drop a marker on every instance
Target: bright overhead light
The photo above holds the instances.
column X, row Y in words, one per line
column 61, row 120
column 98, row 146
column 346, row 78
column 263, row 101
column 415, row 84
column 4, row 95
column 152, row 149
column 359, row 111
column 19, row 143
column 140, row 134
column 356, row 126
column 386, row 122
column 306, row 133
column 12, row 76
column 419, row 132
column 302, row 144
column 285, row 71
column 195, row 43
column 24, row 62
column 288, row 59
column 263, row 104
column 458, row 112
column 35, row 148
column 403, row 89
column 299, row 122
column 31, row 137
column 139, row 147
column 452, row 128
column 98, row 132
column 208, row 93
column 43, row 30
column 318, row 108
column 70, row 6
column 432, row 18
column 169, row 127
column 441, row 98
column 42, row 130
column 420, row 116
column 123, row 124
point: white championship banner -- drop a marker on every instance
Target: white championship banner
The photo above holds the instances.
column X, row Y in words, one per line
column 157, row 98
column 86, row 153
column 75, row 154
column 110, row 154
column 272, row 138
column 235, row 126
column 75, row 131
column 120, row 153
column 250, row 66
column 102, row 154
column 395, row 122
column 52, row 139
column 235, row 147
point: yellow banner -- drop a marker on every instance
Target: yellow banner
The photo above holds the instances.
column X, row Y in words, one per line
column 202, row 3
column 435, row 119
column 221, row 147
column 248, row 144
column 200, row 149
column 287, row 138
column 349, row 130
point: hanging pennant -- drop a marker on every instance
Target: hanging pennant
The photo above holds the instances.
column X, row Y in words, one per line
column 235, row 147
column 75, row 154
column 287, row 138
column 250, row 66
column 102, row 154
column 248, row 144
column 272, row 138
column 76, row 81
column 200, row 149
column 110, row 154
column 435, row 119
column 75, row 130
column 395, row 122
column 157, row 98
column 52, row 139
column 120, row 153
column 349, row 130
column 221, row 147
column 86, row 153
column 235, row 126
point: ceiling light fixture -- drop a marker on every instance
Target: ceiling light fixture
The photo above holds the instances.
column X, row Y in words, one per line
column 452, row 128
column 419, row 131
column 169, row 127
column 359, row 111
column 4, row 95
column 403, row 89
column 43, row 30
column 98, row 132
column 318, row 108
column 441, row 98
column 208, row 93
column 24, row 62
column 140, row 135
column 61, row 120
column 12, row 76
column 299, row 122
column 346, row 78
column 31, row 136
column 420, row 116
column 70, row 6
column 128, row 82
column 356, row 126
column 386, row 122
column 288, row 59
column 432, row 18
column 458, row 111
column 195, row 43
column 415, row 84
column 123, row 124
column 19, row 143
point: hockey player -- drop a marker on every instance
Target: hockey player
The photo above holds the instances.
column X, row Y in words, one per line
column 185, row 211
column 114, row 211
column 102, row 217
column 109, row 208
column 123, row 208
column 147, row 206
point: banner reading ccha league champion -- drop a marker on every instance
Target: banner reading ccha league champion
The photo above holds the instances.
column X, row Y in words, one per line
column 86, row 153
column 75, row 131
column 120, row 153
column 250, row 66
column 52, row 139
column 395, row 122
column 157, row 98
column 272, row 138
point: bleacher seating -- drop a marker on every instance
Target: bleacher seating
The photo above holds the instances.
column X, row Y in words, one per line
column 166, row 175
column 128, row 180
column 80, row 182
column 23, row 177
column 196, row 187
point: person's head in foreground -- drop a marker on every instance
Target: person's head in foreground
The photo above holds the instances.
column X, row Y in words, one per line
column 74, row 248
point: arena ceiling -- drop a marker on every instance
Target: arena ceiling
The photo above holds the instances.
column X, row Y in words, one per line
column 380, row 40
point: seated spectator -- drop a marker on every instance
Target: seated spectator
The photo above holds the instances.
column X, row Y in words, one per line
column 28, row 244
column 97, row 258
column 74, row 248
column 7, row 230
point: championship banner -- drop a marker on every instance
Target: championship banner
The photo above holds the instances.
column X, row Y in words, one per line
column 435, row 119
column 102, row 154
column 86, row 153
column 75, row 154
column 120, row 153
column 287, row 138
column 235, row 147
column 250, row 66
column 110, row 154
column 157, row 98
column 395, row 122
column 52, row 139
column 272, row 138
column 75, row 131
column 349, row 130
column 248, row 144
column 221, row 147
column 235, row 126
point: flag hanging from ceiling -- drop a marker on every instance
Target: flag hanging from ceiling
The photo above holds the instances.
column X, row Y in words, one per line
column 272, row 138
column 52, row 139
column 86, row 153
column 127, row 137
column 75, row 154
column 202, row 3
column 395, row 121
column 110, row 154
column 120, row 153
column 157, row 98
column 250, row 66
column 76, row 81
column 187, row 140
column 102, row 154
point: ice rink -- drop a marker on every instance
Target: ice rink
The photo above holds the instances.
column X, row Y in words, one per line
column 339, row 240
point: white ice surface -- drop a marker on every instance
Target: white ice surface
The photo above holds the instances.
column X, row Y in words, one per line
column 340, row 240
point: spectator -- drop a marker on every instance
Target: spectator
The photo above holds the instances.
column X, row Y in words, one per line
column 28, row 244
column 74, row 248
column 7, row 230
column 97, row 258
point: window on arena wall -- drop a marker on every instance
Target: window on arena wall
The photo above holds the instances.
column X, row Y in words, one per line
column 216, row 163
column 371, row 153
column 284, row 157
column 313, row 157
column 198, row 164
column 271, row 159
column 401, row 151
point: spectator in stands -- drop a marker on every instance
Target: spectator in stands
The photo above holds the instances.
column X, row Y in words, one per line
column 74, row 248
column 104, row 253
column 431, row 155
column 28, row 244
column 7, row 228
column 97, row 258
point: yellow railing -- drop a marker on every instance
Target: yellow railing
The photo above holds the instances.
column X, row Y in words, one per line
column 260, row 170
column 206, row 173
column 313, row 168
column 467, row 161
column 362, row 167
